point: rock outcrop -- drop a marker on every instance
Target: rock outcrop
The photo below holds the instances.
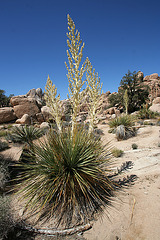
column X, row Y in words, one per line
column 153, row 81
column 37, row 95
column 31, row 106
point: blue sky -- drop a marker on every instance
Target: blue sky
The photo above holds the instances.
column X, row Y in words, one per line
column 119, row 35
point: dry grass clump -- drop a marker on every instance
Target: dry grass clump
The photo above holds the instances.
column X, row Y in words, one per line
column 116, row 152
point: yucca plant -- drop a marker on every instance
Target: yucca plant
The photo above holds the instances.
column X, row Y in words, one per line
column 125, row 120
column 67, row 177
column 67, row 173
column 26, row 134
column 123, row 126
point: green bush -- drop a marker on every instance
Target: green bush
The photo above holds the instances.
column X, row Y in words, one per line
column 134, row 146
column 117, row 152
column 137, row 92
column 3, row 133
column 145, row 113
column 66, row 176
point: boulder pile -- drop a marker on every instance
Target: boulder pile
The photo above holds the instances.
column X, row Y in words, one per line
column 30, row 108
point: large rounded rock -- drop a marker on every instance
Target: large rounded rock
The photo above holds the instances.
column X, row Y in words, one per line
column 155, row 108
column 7, row 114
column 24, row 105
column 17, row 100
column 46, row 113
column 25, row 119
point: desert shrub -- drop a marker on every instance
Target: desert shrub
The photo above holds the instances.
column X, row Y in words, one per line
column 145, row 113
column 134, row 146
column 3, row 133
column 4, row 173
column 67, row 176
column 6, row 220
column 158, row 144
column 117, row 152
column 9, row 228
column 3, row 145
column 158, row 122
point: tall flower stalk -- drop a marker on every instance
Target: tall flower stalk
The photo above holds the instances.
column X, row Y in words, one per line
column 75, row 71
column 126, row 100
column 94, row 91
column 53, row 102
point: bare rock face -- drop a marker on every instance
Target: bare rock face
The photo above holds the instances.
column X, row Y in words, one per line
column 37, row 95
column 140, row 75
column 7, row 114
column 25, row 119
column 24, row 105
column 40, row 117
column 150, row 77
column 153, row 81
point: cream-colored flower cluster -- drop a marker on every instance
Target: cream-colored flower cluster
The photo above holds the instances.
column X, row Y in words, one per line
column 53, row 102
column 75, row 75
column 94, row 91
column 75, row 71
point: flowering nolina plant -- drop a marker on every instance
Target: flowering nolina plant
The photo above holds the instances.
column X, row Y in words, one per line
column 67, row 174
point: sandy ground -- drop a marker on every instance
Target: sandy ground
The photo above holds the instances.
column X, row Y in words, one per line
column 135, row 211
column 135, row 214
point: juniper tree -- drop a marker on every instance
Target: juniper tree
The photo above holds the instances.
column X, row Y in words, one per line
column 136, row 90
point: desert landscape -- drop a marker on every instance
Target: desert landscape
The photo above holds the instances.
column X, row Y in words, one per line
column 134, row 210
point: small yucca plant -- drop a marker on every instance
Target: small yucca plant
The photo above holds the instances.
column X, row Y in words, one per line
column 66, row 177
column 123, row 126
column 25, row 134
column 125, row 120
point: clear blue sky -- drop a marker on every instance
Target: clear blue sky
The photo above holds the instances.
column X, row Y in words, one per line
column 119, row 35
